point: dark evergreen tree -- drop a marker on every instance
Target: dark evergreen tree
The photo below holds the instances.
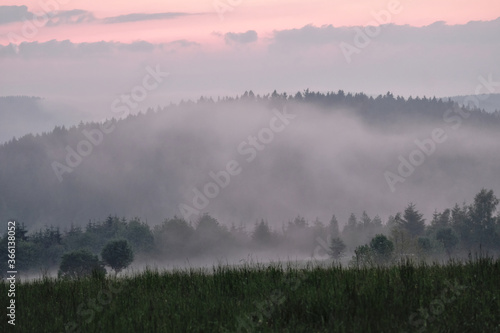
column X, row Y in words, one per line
column 262, row 234
column 460, row 223
column 412, row 221
column 337, row 247
column 366, row 221
column 334, row 227
column 483, row 222
column 208, row 236
column 350, row 232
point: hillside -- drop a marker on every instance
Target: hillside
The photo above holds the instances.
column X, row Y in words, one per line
column 331, row 155
column 487, row 102
column 21, row 115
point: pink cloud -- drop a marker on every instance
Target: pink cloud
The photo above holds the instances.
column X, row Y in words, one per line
column 261, row 16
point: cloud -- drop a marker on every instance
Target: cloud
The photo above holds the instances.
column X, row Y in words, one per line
column 183, row 43
column 414, row 64
column 55, row 49
column 241, row 38
column 75, row 16
column 135, row 17
column 438, row 33
column 310, row 35
column 139, row 46
column 66, row 48
column 9, row 14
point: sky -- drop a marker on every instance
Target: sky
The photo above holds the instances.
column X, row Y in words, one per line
column 90, row 60
column 197, row 20
column 82, row 55
column 239, row 15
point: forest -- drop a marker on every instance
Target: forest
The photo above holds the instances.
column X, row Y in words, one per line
column 410, row 277
column 307, row 236
column 149, row 163
column 138, row 187
column 458, row 232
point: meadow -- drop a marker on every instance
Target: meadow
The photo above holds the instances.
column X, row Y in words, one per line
column 408, row 297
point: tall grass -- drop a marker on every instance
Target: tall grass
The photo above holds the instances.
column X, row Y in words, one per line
column 268, row 298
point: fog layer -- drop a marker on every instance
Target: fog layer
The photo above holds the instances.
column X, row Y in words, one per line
column 271, row 159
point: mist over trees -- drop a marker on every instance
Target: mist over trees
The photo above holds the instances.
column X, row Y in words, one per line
column 471, row 229
column 311, row 190
column 335, row 157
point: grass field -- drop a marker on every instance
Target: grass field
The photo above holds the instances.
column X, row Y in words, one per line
column 457, row 297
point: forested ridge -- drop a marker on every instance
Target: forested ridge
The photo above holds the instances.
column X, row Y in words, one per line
column 141, row 168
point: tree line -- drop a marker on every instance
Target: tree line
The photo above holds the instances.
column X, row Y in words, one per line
column 455, row 232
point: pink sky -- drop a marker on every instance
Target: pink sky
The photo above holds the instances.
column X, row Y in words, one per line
column 263, row 16
column 441, row 60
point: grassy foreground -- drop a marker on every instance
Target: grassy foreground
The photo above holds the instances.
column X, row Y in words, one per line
column 457, row 297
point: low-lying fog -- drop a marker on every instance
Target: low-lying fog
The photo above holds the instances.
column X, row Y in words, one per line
column 302, row 160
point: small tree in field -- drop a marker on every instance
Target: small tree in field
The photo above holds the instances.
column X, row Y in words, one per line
column 80, row 264
column 118, row 255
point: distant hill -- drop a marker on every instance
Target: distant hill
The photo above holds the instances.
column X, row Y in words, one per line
column 488, row 102
column 329, row 157
column 21, row 115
